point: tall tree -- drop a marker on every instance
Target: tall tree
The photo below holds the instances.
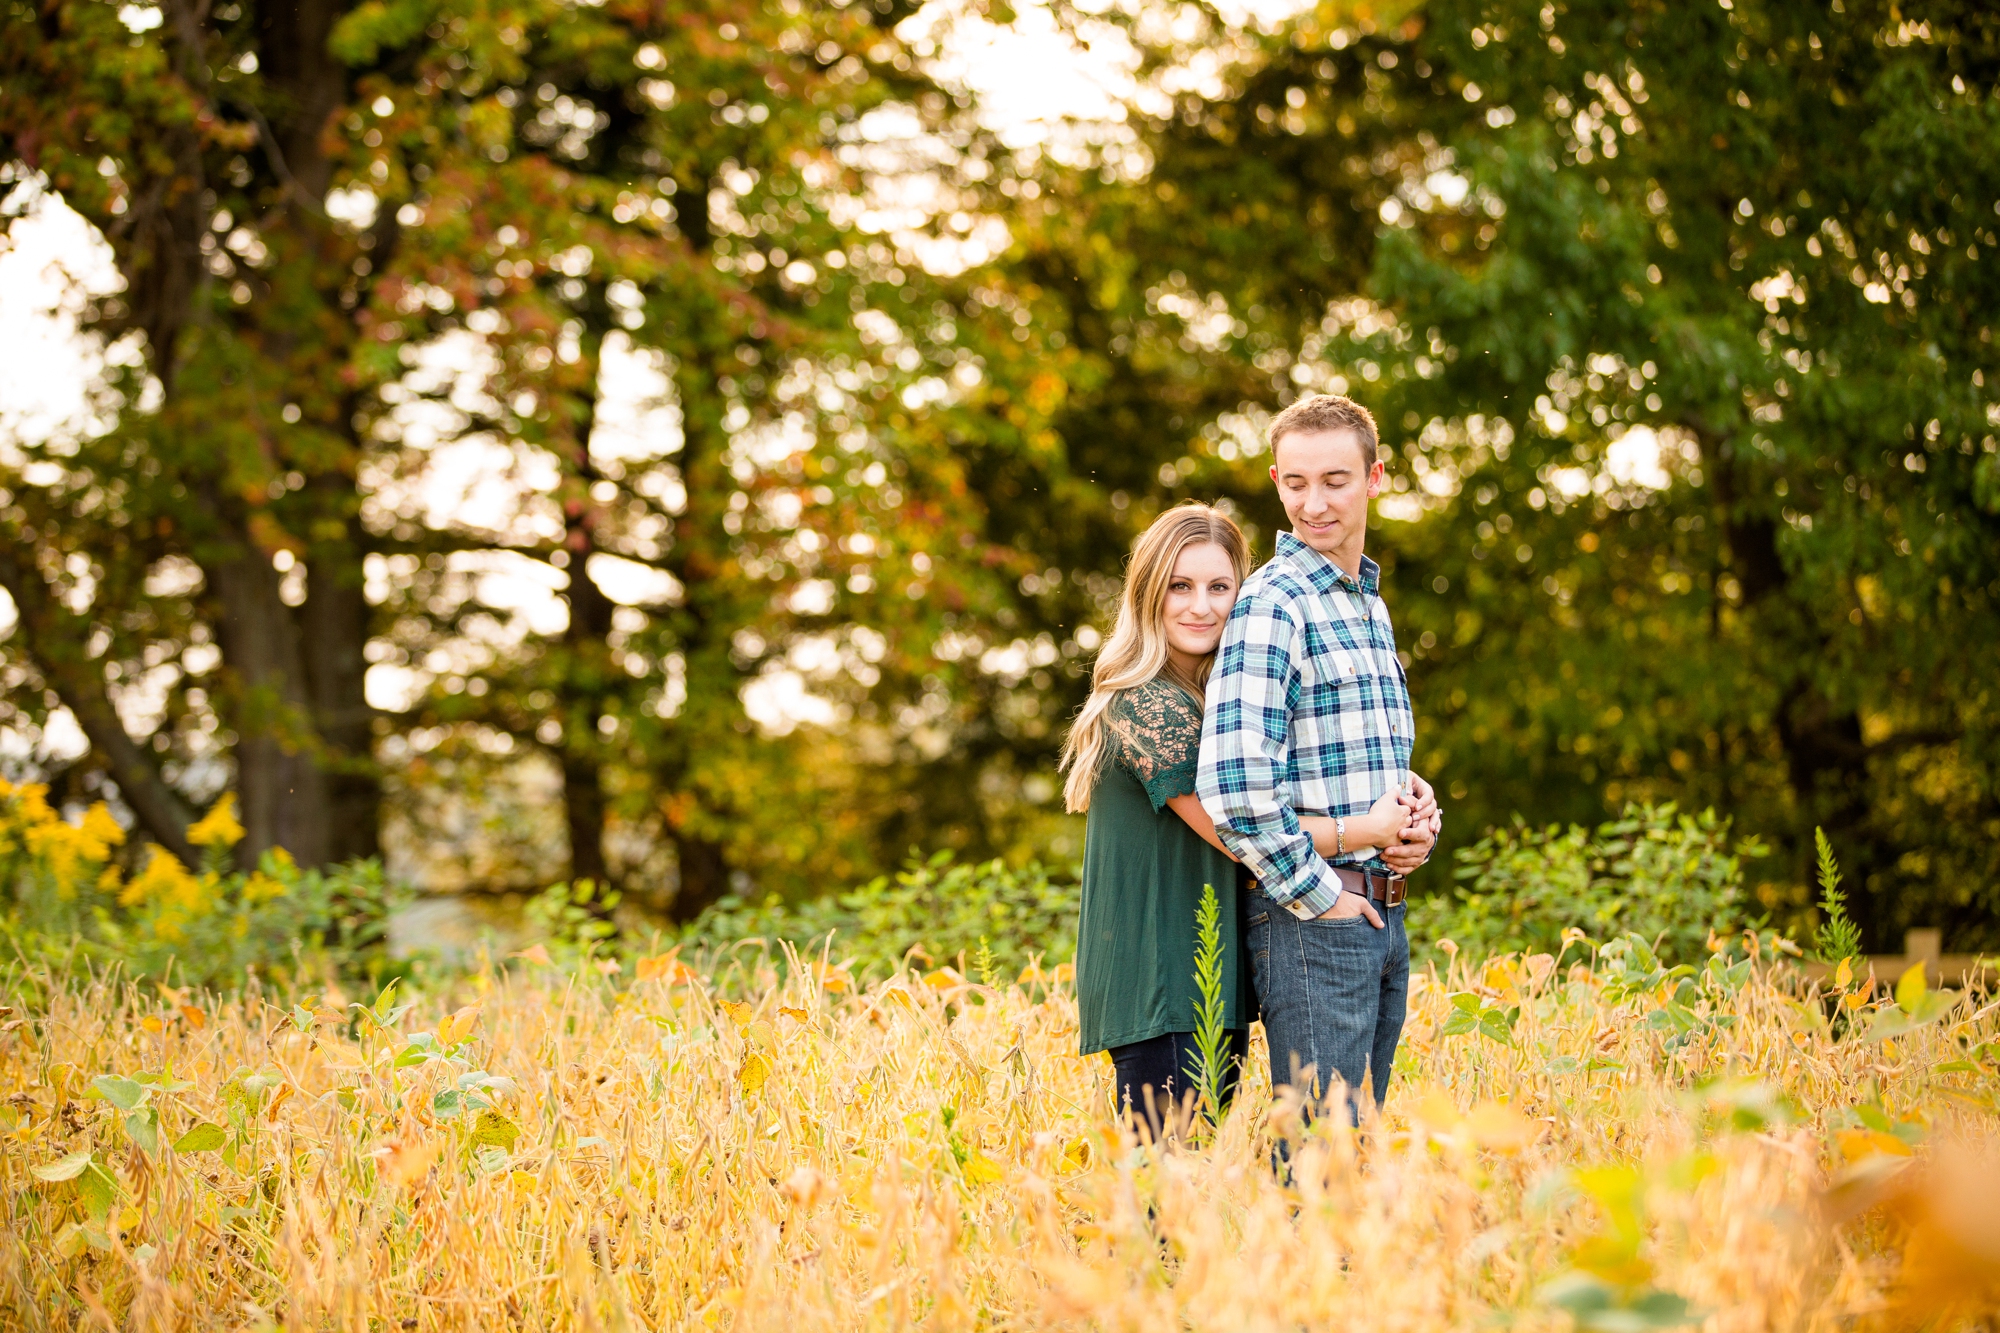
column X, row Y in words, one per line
column 1675, row 322
column 668, row 188
column 192, row 136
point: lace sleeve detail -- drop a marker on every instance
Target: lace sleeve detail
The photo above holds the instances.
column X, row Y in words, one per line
column 1156, row 734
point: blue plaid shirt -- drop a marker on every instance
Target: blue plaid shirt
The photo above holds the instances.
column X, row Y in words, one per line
column 1308, row 714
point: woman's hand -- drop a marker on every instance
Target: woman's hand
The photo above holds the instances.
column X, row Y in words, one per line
column 1386, row 823
column 1383, row 826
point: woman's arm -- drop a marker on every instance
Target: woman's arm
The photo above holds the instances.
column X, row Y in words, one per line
column 1188, row 807
column 1382, row 826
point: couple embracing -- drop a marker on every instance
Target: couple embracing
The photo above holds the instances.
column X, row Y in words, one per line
column 1252, row 732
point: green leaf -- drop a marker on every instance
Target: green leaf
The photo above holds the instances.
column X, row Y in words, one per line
column 66, row 1168
column 422, row 1047
column 143, row 1128
column 164, row 1081
column 248, row 1089
column 203, row 1137
column 98, row 1190
column 123, row 1093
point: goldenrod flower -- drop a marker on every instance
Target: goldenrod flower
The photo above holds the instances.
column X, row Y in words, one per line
column 260, row 888
column 164, row 880
column 70, row 848
column 218, row 828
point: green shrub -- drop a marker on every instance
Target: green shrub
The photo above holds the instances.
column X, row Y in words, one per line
column 66, row 903
column 1656, row 873
column 934, row 912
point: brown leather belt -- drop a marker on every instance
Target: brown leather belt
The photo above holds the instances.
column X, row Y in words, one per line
column 1389, row 890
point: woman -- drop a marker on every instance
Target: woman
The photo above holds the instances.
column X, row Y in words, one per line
column 1148, row 846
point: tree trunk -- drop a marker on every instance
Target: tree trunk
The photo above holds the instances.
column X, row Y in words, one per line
column 704, row 877
column 702, row 624
column 1826, row 761
column 587, row 668
column 280, row 787
column 334, row 622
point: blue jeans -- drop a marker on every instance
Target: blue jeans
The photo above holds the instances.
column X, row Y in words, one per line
column 1153, row 1076
column 1334, row 995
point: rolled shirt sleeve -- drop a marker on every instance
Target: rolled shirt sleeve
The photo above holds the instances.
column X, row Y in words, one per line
column 1244, row 780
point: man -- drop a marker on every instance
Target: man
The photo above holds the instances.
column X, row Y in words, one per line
column 1309, row 713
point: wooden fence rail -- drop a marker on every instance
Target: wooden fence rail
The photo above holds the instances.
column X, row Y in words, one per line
column 1921, row 946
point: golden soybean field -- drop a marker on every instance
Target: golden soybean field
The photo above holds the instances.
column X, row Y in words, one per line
column 1596, row 1141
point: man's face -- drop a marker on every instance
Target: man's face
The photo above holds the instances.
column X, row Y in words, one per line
column 1325, row 487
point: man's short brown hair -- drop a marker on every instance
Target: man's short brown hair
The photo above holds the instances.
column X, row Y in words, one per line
column 1326, row 412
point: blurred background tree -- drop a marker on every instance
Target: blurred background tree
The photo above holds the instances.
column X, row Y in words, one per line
column 812, row 413
column 1677, row 325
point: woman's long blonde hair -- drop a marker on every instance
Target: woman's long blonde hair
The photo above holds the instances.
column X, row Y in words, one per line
column 1137, row 649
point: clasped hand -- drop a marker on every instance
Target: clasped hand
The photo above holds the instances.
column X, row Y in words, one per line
column 1404, row 825
column 1414, row 820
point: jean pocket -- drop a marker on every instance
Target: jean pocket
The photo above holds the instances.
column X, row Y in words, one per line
column 1338, row 921
column 1260, row 919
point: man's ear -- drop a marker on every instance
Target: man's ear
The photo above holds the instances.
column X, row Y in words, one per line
column 1274, row 474
column 1374, row 479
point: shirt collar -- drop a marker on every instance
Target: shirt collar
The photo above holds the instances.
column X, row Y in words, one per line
column 1322, row 573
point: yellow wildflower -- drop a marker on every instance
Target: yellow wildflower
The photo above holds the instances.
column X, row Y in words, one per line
column 34, row 808
column 70, row 848
column 260, row 888
column 218, row 828
column 164, row 880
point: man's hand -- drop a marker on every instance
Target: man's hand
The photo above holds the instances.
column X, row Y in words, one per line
column 1421, row 801
column 1352, row 904
column 1420, row 834
column 1406, row 856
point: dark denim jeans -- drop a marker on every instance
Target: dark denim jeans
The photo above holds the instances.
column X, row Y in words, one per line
column 1153, row 1076
column 1334, row 995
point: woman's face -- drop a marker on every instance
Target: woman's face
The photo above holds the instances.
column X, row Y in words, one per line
column 1199, row 595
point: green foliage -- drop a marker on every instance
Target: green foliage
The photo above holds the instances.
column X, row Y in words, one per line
column 1537, row 241
column 66, row 902
column 1656, row 873
column 1210, row 1072
column 1917, row 1005
column 1471, row 1012
column 933, row 912
column 574, row 917
column 423, row 196
column 1838, row 937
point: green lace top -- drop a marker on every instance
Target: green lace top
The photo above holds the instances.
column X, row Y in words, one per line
column 1143, row 872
